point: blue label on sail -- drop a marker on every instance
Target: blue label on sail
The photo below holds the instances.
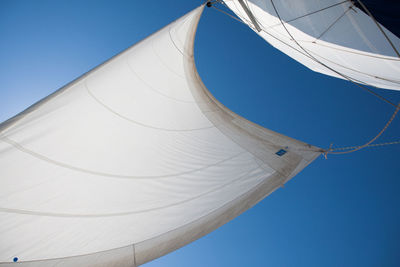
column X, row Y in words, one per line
column 281, row 152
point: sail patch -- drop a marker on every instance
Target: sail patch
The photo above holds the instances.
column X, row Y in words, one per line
column 281, row 152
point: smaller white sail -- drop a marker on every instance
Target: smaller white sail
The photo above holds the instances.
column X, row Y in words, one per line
column 332, row 37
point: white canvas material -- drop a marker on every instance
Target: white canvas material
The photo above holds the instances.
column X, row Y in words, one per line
column 133, row 160
column 332, row 37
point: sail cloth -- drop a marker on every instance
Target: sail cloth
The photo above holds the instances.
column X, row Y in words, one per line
column 133, row 160
column 332, row 37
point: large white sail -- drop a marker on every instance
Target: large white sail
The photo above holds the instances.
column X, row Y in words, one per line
column 133, row 160
column 332, row 37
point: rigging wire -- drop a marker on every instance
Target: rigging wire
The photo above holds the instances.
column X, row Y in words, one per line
column 311, row 13
column 324, row 151
column 331, row 151
column 333, row 23
column 226, row 13
column 336, row 150
column 370, row 145
column 379, row 27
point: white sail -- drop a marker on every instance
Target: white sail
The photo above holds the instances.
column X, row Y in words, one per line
column 133, row 160
column 332, row 37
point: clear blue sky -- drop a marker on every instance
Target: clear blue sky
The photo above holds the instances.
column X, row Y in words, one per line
column 344, row 211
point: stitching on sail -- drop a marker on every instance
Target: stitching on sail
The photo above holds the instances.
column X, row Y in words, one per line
column 348, row 68
column 352, row 52
column 250, row 196
column 163, row 63
column 152, row 88
column 173, row 42
column 139, row 123
column 71, row 167
column 55, row 214
column 351, row 79
column 134, row 255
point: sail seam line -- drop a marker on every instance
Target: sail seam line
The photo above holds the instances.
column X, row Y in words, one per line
column 348, row 68
column 155, row 90
column 250, row 192
column 133, row 177
column 352, row 52
column 163, row 63
column 175, row 45
column 250, row 195
column 213, row 190
column 134, row 255
column 139, row 123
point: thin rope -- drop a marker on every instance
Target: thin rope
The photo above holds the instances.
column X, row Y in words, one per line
column 226, row 13
column 311, row 13
column 324, row 151
column 333, row 23
column 379, row 27
column 330, row 150
column 370, row 145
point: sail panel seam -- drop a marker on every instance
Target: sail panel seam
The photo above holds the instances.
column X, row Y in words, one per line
column 71, row 215
column 165, row 64
column 139, row 123
column 155, row 90
column 353, row 52
column 133, row 177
